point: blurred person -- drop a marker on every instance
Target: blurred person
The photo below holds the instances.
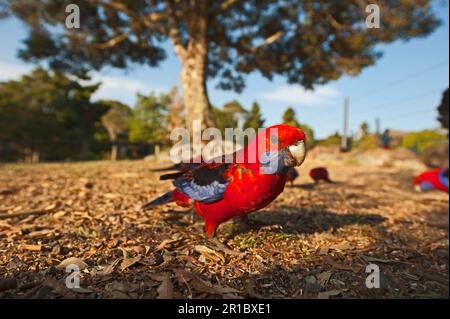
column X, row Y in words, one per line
column 386, row 139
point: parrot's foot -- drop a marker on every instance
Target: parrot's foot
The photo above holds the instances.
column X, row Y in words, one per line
column 193, row 215
column 216, row 244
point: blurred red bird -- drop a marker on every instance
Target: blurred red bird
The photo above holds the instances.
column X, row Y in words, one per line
column 432, row 179
column 221, row 191
column 291, row 175
column 320, row 174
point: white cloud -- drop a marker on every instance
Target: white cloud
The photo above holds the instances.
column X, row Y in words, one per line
column 296, row 95
column 121, row 83
column 12, row 71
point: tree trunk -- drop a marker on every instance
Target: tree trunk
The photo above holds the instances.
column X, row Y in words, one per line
column 195, row 95
column 193, row 57
column 114, row 150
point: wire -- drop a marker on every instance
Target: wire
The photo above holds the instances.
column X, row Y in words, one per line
column 402, row 80
column 397, row 102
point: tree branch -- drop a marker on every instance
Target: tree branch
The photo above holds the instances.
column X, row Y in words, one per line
column 274, row 37
column 336, row 24
column 112, row 42
column 174, row 34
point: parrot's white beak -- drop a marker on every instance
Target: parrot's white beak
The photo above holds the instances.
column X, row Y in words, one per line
column 298, row 152
column 417, row 188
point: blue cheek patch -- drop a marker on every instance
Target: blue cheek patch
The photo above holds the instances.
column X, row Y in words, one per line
column 271, row 162
column 426, row 186
column 443, row 179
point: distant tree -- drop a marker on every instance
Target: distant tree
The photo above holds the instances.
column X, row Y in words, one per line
column 309, row 132
column 224, row 119
column 149, row 119
column 231, row 115
column 422, row 140
column 334, row 139
column 364, row 128
column 44, row 109
column 443, row 110
column 116, row 122
column 254, row 118
column 307, row 42
column 234, row 107
column 289, row 117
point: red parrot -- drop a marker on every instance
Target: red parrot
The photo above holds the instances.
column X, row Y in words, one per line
column 222, row 190
column 432, row 179
column 320, row 174
column 292, row 175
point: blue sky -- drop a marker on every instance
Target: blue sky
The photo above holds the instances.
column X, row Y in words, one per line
column 403, row 88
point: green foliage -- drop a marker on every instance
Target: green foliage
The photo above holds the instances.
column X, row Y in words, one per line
column 289, row 117
column 334, row 139
column 150, row 119
column 224, row 119
column 116, row 119
column 254, row 118
column 422, row 140
column 309, row 132
column 308, row 42
column 443, row 109
column 364, row 128
column 368, row 142
column 234, row 107
column 44, row 109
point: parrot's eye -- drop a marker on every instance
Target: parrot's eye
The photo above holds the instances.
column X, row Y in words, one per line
column 274, row 139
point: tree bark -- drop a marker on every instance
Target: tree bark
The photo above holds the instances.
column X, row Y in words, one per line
column 193, row 57
column 195, row 95
column 114, row 150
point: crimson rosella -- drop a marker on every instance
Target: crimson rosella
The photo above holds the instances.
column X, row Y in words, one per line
column 252, row 179
column 320, row 174
column 432, row 179
column 292, row 175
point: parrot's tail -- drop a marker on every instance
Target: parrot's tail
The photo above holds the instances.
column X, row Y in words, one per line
column 166, row 198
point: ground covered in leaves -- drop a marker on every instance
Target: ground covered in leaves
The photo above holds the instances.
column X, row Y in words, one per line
column 314, row 241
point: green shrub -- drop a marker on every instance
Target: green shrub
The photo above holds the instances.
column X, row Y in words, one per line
column 334, row 139
column 368, row 142
column 422, row 140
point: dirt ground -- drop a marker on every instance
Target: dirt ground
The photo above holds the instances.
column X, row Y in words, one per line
column 312, row 242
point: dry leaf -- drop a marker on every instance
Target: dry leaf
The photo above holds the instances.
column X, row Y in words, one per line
column 110, row 268
column 166, row 242
column 30, row 247
column 329, row 260
column 323, row 250
column 323, row 278
column 157, row 276
column 82, row 290
column 328, row 294
column 209, row 253
column 165, row 290
column 72, row 261
column 343, row 246
column 128, row 262
column 59, row 214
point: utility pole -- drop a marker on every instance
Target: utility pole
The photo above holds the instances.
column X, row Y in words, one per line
column 377, row 125
column 344, row 139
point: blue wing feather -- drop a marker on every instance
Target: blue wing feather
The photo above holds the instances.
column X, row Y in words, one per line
column 205, row 184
